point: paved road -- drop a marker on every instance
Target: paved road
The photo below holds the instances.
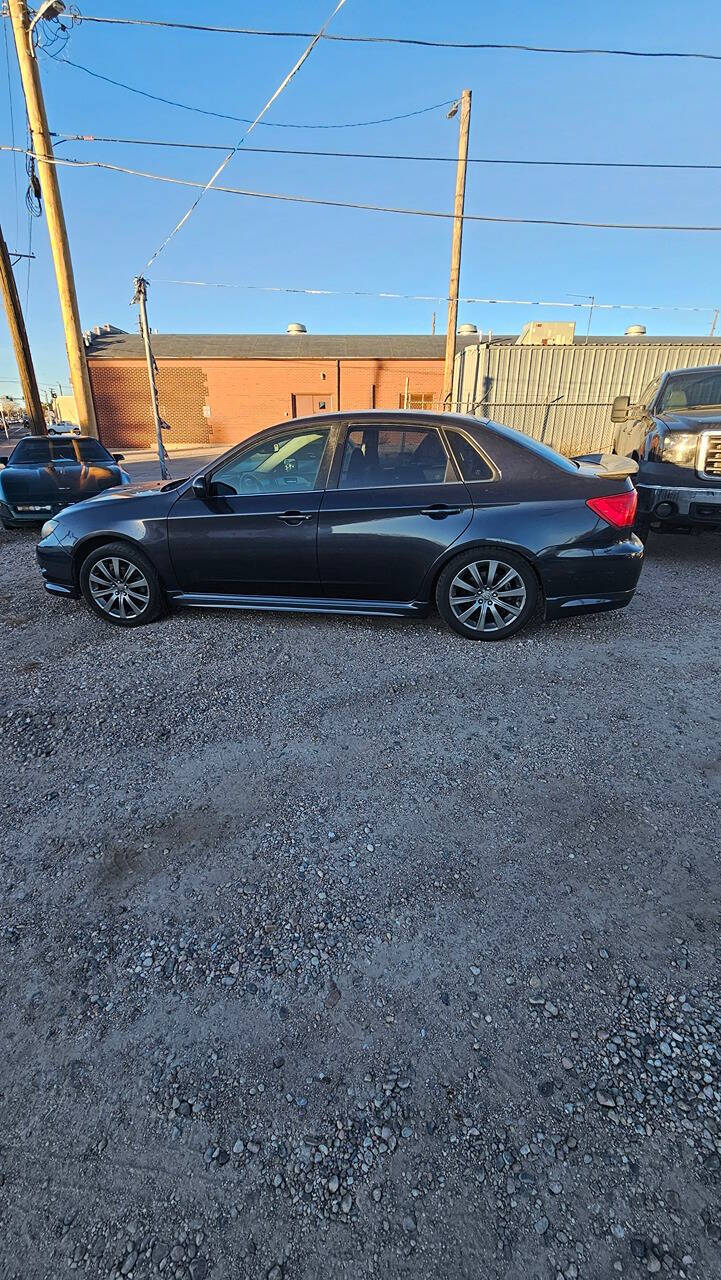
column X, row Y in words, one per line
column 337, row 949
column 148, row 467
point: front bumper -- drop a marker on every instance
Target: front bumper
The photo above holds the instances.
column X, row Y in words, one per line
column 15, row 518
column 56, row 566
column 680, row 504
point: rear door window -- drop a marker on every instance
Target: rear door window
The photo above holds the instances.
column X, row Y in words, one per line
column 385, row 457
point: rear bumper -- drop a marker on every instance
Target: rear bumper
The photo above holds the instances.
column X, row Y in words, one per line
column 680, row 504
column 607, row 580
column 564, row 606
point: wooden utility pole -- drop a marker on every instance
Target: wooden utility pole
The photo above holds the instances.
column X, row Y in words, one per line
column 140, row 296
column 19, row 338
column 464, row 130
column 43, row 150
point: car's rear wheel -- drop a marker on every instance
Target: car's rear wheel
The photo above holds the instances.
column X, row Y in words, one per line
column 487, row 593
column 121, row 585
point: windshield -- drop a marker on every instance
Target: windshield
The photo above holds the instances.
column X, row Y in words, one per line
column 38, row 451
column 692, row 390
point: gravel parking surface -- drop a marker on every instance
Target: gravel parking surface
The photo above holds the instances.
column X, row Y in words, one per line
column 347, row 948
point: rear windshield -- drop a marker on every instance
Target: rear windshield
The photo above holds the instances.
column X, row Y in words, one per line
column 38, row 451
column 541, row 450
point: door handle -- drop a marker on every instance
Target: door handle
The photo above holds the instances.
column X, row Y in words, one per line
column 294, row 517
column 440, row 510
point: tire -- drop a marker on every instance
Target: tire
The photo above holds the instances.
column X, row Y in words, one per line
column 464, row 588
column 642, row 527
column 141, row 597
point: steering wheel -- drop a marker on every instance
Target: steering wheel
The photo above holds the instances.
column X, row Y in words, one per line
column 250, row 483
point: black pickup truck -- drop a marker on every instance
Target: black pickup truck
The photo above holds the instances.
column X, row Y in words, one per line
column 674, row 434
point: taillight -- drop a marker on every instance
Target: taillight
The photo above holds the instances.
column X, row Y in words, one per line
column 618, row 509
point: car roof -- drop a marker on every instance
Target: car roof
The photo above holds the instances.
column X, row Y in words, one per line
column 694, row 368
column 372, row 416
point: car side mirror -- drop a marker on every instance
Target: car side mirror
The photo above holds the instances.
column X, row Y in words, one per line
column 119, row 457
column 4, row 460
column 619, row 408
column 199, row 486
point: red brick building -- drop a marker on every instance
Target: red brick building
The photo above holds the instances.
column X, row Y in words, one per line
column 219, row 388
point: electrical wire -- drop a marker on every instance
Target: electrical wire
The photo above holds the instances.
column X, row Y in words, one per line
column 265, row 124
column 224, row 163
column 12, row 135
column 376, row 208
column 402, row 40
column 432, row 297
column 382, row 155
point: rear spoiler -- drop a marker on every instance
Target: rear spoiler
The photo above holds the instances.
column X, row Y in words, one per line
column 608, row 466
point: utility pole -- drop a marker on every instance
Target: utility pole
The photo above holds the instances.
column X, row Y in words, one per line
column 140, row 296
column 57, row 231
column 19, row 338
column 464, row 130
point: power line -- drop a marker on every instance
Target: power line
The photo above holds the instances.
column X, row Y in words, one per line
column 383, row 155
column 265, row 124
column 12, row 133
column 433, row 297
column 373, row 208
column 403, row 40
column 265, row 108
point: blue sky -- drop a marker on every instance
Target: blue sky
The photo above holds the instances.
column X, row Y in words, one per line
column 524, row 106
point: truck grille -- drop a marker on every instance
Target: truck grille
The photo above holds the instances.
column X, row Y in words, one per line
column 712, row 461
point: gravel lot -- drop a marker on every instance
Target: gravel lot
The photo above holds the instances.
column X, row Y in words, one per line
column 346, row 948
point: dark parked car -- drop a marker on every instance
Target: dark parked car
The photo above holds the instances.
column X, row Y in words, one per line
column 42, row 476
column 373, row 513
column 674, row 433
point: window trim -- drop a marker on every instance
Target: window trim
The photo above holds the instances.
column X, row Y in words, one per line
column 270, row 436
column 333, row 482
column 496, row 473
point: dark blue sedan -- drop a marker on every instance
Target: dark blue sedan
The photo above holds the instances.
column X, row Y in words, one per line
column 43, row 475
column 368, row 512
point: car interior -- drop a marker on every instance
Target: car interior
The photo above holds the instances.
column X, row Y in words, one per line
column 378, row 457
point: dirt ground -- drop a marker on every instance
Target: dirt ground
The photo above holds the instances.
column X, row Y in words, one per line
column 347, row 948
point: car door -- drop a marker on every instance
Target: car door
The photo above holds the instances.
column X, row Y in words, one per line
column 254, row 532
column 393, row 505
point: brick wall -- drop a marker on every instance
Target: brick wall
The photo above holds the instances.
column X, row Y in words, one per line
column 223, row 401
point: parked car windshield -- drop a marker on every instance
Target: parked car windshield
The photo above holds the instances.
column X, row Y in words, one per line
column 692, row 391
column 37, row 450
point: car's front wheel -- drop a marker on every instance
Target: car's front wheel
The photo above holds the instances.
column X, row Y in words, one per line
column 487, row 593
column 121, row 585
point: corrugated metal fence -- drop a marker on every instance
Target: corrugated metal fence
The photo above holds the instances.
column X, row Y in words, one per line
column 563, row 395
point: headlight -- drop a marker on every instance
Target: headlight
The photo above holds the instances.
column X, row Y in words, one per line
column 49, row 527
column 679, row 447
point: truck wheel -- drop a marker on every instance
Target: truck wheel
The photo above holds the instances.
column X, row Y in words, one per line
column 642, row 527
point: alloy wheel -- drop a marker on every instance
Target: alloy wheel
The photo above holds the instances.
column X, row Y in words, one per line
column 487, row 595
column 119, row 587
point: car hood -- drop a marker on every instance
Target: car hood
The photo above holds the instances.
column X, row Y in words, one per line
column 149, row 487
column 59, row 482
column 692, row 421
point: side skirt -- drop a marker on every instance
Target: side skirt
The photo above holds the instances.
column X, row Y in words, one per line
column 300, row 604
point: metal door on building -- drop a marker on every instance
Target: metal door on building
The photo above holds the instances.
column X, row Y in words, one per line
column 304, row 405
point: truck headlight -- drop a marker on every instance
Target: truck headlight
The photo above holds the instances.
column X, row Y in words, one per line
column 679, row 447
column 49, row 527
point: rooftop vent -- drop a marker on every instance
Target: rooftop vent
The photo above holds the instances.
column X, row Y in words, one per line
column 468, row 328
column 296, row 328
column 636, row 331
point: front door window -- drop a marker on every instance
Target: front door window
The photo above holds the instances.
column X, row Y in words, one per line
column 284, row 464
